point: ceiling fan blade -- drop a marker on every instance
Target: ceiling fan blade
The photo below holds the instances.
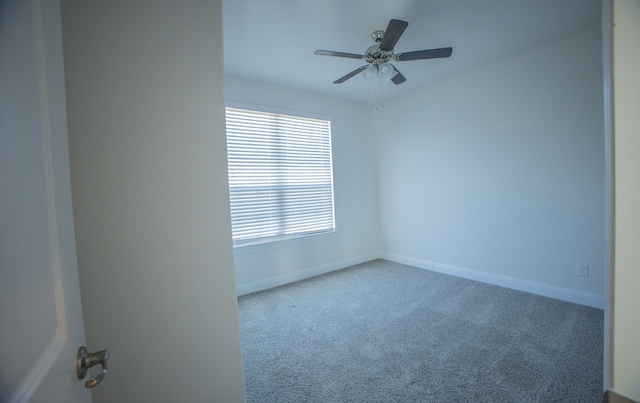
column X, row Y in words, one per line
column 392, row 34
column 424, row 54
column 353, row 73
column 398, row 78
column 337, row 54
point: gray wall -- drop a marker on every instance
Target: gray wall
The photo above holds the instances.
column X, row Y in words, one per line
column 498, row 173
column 151, row 207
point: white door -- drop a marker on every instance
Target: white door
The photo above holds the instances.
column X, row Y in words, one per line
column 41, row 325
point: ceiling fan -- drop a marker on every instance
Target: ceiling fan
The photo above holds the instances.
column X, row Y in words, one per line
column 381, row 53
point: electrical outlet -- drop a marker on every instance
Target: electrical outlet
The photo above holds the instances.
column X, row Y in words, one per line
column 582, row 270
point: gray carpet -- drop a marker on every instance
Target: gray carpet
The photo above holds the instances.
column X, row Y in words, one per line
column 386, row 332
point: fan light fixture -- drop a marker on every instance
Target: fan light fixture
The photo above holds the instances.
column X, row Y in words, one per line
column 380, row 72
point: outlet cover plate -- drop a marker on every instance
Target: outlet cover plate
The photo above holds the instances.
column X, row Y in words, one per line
column 582, row 270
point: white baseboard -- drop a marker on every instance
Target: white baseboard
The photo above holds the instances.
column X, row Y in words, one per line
column 546, row 290
column 254, row 286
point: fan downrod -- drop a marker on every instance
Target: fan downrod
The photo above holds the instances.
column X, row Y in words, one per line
column 377, row 35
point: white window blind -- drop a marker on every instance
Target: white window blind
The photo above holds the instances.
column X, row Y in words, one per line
column 280, row 175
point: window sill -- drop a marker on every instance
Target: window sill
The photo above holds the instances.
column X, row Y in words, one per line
column 250, row 247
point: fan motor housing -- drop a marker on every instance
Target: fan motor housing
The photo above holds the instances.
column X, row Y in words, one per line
column 373, row 54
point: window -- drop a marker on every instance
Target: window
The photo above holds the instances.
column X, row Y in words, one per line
column 280, row 175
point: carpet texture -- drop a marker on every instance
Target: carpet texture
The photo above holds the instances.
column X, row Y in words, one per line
column 386, row 332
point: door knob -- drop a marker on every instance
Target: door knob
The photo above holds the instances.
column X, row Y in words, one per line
column 87, row 360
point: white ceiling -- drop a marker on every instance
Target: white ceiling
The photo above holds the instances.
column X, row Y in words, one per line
column 273, row 41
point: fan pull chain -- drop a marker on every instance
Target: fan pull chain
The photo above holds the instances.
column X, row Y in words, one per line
column 377, row 87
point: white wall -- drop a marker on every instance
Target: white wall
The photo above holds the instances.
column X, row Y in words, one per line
column 497, row 174
column 148, row 164
column 354, row 192
column 626, row 297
